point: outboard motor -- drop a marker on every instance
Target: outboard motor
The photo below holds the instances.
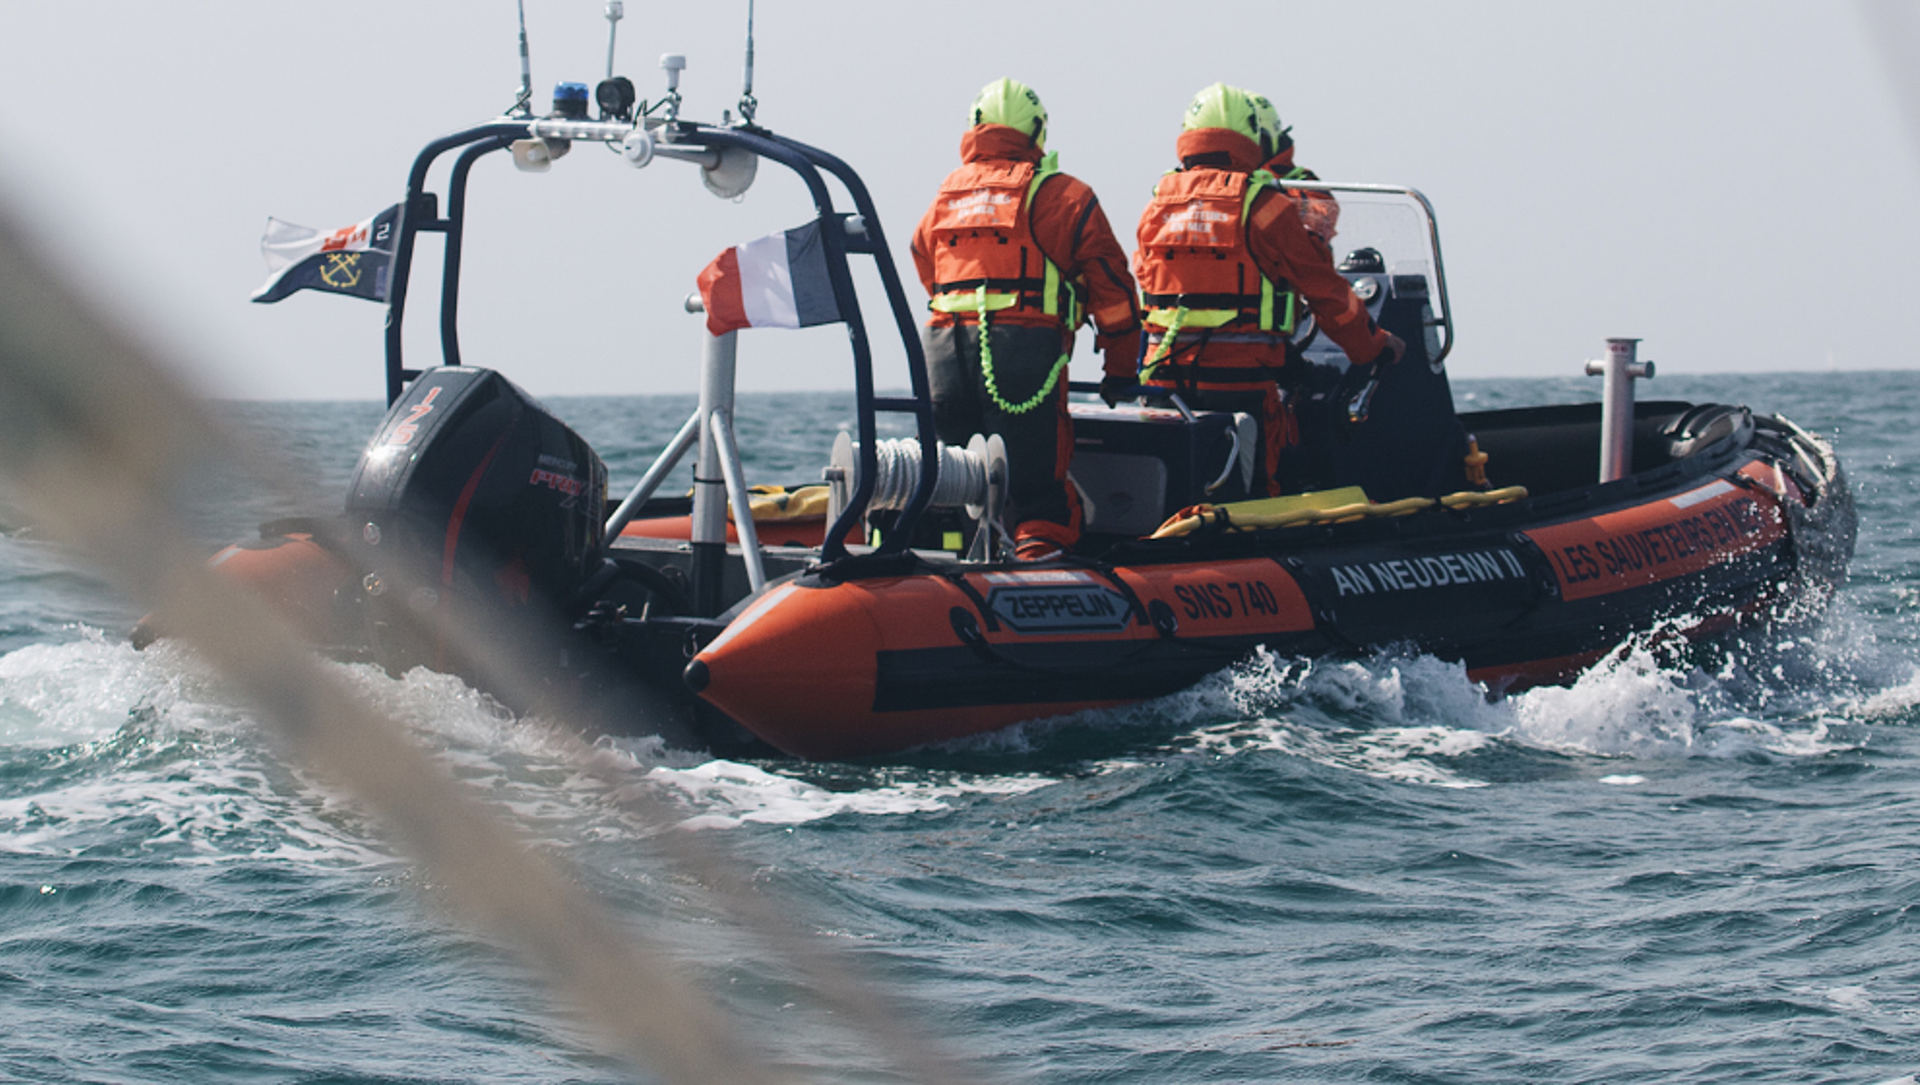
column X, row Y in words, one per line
column 476, row 509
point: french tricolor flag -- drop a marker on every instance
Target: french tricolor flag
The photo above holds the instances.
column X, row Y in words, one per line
column 779, row 281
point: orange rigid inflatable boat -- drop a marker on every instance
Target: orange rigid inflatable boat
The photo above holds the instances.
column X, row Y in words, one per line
column 879, row 611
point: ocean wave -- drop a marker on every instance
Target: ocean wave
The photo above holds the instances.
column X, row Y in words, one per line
column 1415, row 718
column 113, row 751
column 728, row 793
column 1393, row 715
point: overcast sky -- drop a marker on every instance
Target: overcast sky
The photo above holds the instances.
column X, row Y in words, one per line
column 1730, row 181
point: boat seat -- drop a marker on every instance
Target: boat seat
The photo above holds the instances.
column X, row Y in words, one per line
column 1705, row 426
column 1557, row 448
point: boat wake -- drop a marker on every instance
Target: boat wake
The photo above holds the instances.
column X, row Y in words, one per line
column 105, row 743
column 142, row 747
column 111, row 752
column 1412, row 717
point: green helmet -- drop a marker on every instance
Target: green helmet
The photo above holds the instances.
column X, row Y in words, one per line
column 1222, row 106
column 1273, row 134
column 1014, row 104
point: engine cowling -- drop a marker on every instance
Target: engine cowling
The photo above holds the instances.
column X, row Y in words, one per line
column 474, row 503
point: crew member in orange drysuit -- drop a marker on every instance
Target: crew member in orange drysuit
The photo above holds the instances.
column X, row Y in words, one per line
column 1024, row 250
column 1223, row 260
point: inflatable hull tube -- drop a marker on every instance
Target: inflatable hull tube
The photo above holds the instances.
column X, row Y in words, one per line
column 299, row 580
column 824, row 668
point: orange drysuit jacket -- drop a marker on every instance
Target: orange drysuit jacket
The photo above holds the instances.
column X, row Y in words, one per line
column 1071, row 229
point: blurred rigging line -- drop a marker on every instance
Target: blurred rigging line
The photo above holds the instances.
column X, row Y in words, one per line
column 1893, row 33
column 95, row 440
column 97, row 443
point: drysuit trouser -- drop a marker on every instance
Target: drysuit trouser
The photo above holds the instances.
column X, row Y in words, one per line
column 1041, row 502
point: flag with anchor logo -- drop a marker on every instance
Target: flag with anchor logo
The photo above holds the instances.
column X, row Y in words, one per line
column 352, row 260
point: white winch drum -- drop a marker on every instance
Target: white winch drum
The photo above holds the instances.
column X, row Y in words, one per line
column 973, row 478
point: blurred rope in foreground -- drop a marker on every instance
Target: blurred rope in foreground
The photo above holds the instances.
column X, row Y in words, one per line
column 97, row 442
column 1893, row 32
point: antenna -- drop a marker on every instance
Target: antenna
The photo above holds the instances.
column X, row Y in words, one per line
column 523, row 103
column 673, row 64
column 615, row 9
column 748, row 103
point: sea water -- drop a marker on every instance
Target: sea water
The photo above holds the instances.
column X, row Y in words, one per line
column 1298, row 870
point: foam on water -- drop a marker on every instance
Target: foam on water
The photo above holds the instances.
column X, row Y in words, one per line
column 138, row 749
column 1392, row 715
column 528, row 765
column 1894, row 701
column 1412, row 717
column 151, row 737
column 729, row 793
column 79, row 691
column 1389, row 717
column 1625, row 706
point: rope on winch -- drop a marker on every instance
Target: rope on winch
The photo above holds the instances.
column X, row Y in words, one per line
column 962, row 481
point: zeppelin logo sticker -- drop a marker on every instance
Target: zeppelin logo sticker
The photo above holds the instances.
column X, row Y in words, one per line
column 1059, row 608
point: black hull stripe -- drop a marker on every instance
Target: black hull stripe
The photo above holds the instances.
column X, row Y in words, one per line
column 1106, row 669
column 1059, row 672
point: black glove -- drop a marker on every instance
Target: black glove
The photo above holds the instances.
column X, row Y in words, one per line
column 1390, row 354
column 1358, row 384
column 1118, row 390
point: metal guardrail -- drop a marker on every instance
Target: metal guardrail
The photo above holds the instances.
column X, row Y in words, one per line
column 1445, row 320
column 704, row 145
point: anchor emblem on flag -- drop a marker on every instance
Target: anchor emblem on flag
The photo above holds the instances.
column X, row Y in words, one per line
column 342, row 270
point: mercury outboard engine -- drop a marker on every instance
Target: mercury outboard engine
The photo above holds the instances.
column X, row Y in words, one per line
column 475, row 509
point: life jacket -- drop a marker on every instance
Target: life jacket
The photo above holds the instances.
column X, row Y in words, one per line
column 1196, row 269
column 985, row 258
